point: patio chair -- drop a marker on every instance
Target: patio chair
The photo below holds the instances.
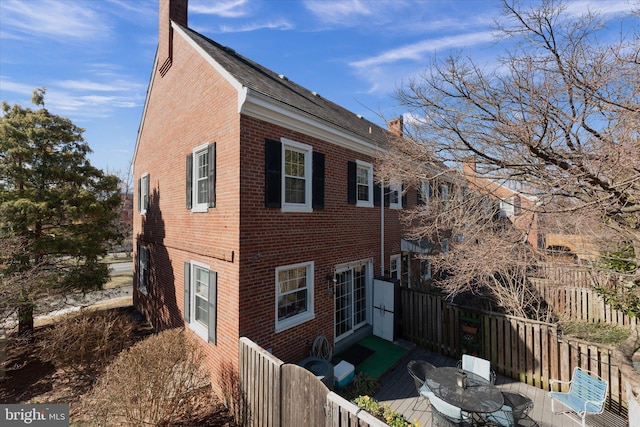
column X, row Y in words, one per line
column 445, row 414
column 418, row 370
column 587, row 395
column 516, row 407
column 478, row 366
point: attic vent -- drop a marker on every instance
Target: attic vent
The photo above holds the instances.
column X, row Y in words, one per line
column 228, row 49
column 283, row 77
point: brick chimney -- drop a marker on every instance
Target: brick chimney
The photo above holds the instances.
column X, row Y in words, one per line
column 170, row 10
column 469, row 165
column 396, row 126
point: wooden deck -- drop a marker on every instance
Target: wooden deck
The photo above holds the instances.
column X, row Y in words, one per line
column 398, row 391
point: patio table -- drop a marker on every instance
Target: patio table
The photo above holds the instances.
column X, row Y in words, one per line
column 479, row 395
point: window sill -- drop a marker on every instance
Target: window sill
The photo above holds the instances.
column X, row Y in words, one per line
column 200, row 330
column 294, row 321
column 296, row 209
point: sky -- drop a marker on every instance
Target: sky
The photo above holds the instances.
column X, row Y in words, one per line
column 95, row 56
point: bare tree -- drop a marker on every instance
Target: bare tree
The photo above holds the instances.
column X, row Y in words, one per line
column 558, row 120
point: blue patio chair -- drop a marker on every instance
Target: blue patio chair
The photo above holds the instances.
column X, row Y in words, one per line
column 418, row 370
column 478, row 366
column 587, row 395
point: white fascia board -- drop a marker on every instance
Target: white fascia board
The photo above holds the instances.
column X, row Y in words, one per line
column 216, row 66
column 262, row 107
column 144, row 113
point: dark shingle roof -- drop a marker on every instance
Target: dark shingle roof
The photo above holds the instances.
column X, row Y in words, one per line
column 262, row 80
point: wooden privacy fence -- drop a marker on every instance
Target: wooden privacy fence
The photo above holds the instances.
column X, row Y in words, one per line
column 581, row 304
column 529, row 351
column 279, row 394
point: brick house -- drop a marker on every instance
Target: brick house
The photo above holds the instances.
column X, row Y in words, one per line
column 257, row 210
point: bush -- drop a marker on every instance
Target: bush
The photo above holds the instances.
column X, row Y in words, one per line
column 362, row 385
column 149, row 383
column 86, row 342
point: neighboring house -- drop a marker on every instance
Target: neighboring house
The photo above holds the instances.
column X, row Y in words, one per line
column 258, row 214
column 514, row 205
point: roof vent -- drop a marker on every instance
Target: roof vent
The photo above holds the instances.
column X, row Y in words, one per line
column 359, row 116
column 315, row 94
column 283, row 77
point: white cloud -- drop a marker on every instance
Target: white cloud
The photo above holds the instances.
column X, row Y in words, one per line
column 579, row 8
column 416, row 51
column 225, row 9
column 281, row 24
column 86, row 85
column 66, row 19
column 338, row 11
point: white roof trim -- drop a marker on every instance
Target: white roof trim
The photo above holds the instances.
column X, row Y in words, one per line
column 263, row 107
column 144, row 113
column 219, row 68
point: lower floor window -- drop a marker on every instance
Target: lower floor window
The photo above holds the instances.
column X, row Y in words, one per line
column 200, row 295
column 143, row 269
column 294, row 295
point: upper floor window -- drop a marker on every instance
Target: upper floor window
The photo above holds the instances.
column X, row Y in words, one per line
column 360, row 183
column 294, row 176
column 424, row 193
column 143, row 194
column 294, row 295
column 201, row 178
column 511, row 206
column 395, row 196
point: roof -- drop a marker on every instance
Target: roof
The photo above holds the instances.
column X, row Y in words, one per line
column 279, row 88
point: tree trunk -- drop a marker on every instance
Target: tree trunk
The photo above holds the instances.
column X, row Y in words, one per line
column 25, row 320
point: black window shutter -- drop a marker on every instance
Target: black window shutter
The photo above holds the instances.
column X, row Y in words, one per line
column 187, row 295
column 377, row 197
column 387, row 197
column 403, row 194
column 272, row 173
column 213, row 295
column 352, row 171
column 317, row 183
column 419, row 200
column 189, row 180
column 211, row 176
column 140, row 195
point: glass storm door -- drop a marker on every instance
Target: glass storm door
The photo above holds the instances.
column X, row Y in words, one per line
column 350, row 300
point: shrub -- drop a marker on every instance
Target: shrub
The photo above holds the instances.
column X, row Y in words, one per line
column 361, row 385
column 86, row 342
column 149, row 383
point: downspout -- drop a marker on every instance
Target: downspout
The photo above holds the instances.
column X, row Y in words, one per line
column 382, row 228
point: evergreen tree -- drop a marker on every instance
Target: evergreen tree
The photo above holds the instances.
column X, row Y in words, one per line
column 58, row 213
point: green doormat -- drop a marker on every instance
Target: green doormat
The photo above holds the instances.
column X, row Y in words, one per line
column 385, row 355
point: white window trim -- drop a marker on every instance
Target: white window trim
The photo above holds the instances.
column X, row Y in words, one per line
column 144, row 191
column 369, row 203
column 308, row 176
column 307, row 315
column 197, row 327
column 427, row 264
column 507, row 207
column 398, row 259
column 197, row 207
column 397, row 189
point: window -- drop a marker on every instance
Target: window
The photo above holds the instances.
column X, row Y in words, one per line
column 143, row 194
column 394, row 267
column 395, row 196
column 296, row 183
column 507, row 207
column 294, row 295
column 143, row 269
column 200, row 299
column 424, row 193
column 201, row 178
column 350, row 299
column 294, row 176
column 360, row 183
column 425, row 269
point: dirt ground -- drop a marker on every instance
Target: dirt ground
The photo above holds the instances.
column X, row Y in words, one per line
column 29, row 379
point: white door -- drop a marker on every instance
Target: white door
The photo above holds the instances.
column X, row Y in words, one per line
column 383, row 306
